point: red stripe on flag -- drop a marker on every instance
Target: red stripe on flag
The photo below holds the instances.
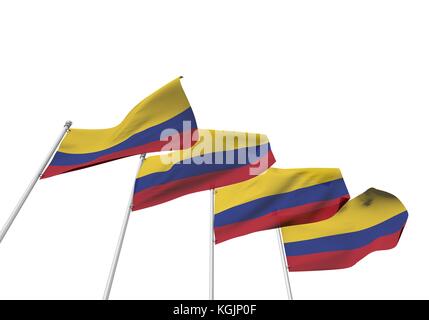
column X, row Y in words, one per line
column 155, row 195
column 343, row 258
column 311, row 212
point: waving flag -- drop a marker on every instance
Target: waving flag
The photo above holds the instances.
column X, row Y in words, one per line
column 219, row 158
column 370, row 222
column 140, row 132
column 277, row 198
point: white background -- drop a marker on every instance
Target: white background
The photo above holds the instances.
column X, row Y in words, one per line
column 332, row 83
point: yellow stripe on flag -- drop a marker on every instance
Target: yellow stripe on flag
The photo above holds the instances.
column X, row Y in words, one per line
column 271, row 182
column 162, row 105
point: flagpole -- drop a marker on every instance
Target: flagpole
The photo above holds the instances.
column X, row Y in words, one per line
column 211, row 246
column 33, row 182
column 121, row 237
column 284, row 264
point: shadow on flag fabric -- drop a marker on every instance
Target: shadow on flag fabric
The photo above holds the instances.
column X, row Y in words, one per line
column 219, row 158
column 276, row 198
column 370, row 222
column 142, row 131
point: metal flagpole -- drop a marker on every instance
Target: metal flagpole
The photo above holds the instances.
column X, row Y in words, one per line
column 121, row 237
column 284, row 264
column 33, row 182
column 211, row 247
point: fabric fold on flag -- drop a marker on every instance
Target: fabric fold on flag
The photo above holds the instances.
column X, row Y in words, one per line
column 370, row 222
column 276, row 198
column 219, row 158
column 143, row 130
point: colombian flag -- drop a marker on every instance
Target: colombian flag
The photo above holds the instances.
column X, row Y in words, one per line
column 277, row 198
column 219, row 158
column 140, row 132
column 370, row 222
